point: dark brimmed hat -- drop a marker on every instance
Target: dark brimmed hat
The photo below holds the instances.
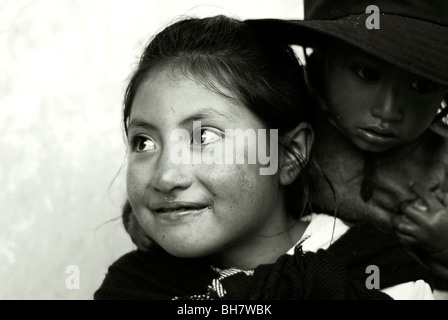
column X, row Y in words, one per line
column 412, row 34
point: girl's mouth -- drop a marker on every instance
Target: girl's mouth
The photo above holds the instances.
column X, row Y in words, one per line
column 179, row 210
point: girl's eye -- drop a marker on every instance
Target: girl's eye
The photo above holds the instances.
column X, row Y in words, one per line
column 366, row 73
column 206, row 136
column 142, row 144
column 423, row 86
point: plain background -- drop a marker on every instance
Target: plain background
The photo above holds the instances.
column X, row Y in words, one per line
column 63, row 70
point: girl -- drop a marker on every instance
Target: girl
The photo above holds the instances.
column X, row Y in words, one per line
column 223, row 230
column 379, row 127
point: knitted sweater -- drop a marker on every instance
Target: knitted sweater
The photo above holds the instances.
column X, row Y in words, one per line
column 335, row 273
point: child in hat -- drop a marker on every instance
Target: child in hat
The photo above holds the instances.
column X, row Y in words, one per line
column 379, row 73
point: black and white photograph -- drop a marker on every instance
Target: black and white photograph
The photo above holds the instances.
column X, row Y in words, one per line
column 224, row 150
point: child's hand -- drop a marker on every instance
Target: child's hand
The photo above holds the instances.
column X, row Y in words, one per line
column 424, row 222
column 424, row 225
column 138, row 235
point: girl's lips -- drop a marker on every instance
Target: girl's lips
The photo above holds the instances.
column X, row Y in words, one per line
column 175, row 214
column 164, row 205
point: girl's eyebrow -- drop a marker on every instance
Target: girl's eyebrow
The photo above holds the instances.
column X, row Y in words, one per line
column 137, row 123
column 200, row 115
column 204, row 114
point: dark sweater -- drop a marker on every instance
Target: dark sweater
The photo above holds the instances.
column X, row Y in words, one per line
column 338, row 273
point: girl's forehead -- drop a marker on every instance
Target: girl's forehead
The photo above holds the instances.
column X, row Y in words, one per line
column 180, row 78
column 175, row 98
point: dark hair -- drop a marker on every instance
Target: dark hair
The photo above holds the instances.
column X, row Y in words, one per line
column 263, row 74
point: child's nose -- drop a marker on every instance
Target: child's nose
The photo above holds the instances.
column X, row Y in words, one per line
column 168, row 176
column 387, row 106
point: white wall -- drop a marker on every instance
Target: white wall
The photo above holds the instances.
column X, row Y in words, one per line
column 63, row 69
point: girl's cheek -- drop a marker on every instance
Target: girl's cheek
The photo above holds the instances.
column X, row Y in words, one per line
column 135, row 181
column 229, row 180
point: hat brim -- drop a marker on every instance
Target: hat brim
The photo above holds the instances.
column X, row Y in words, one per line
column 415, row 46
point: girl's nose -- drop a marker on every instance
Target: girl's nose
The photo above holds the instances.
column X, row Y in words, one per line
column 387, row 106
column 169, row 177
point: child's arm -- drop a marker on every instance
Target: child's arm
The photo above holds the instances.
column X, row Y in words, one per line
column 132, row 226
column 424, row 225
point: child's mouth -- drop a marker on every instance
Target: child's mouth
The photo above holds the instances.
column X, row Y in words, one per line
column 377, row 135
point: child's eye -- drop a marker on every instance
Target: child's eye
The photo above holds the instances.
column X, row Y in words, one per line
column 366, row 73
column 206, row 136
column 142, row 144
column 423, row 86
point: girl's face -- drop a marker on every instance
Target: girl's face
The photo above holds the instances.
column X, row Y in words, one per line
column 194, row 210
column 374, row 104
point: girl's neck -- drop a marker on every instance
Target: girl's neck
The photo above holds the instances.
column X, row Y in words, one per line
column 260, row 249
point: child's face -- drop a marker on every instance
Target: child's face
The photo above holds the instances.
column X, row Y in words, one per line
column 374, row 104
column 199, row 209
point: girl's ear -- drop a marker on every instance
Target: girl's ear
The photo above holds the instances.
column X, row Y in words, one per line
column 298, row 146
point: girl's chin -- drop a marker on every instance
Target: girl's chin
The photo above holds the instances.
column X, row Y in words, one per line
column 190, row 253
column 182, row 249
